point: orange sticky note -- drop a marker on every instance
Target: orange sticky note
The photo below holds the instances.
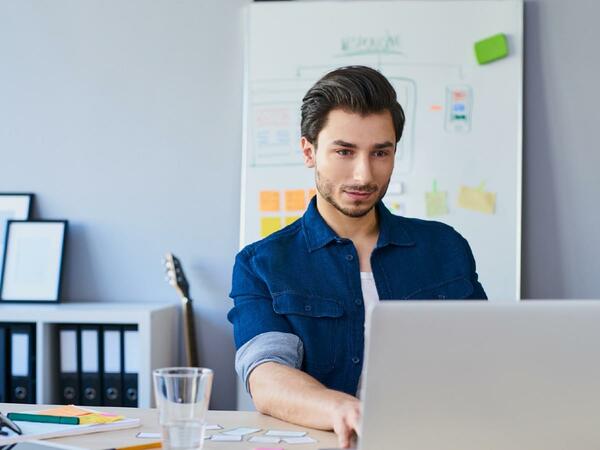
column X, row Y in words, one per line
column 269, row 201
column 290, row 219
column 64, row 411
column 294, row 200
column 269, row 225
column 311, row 193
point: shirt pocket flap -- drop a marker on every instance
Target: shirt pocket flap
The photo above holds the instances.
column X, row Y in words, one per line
column 455, row 289
column 290, row 303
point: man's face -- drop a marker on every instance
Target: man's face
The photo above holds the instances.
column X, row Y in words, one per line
column 353, row 160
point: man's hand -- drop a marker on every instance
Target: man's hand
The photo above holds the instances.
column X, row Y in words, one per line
column 346, row 418
column 294, row 396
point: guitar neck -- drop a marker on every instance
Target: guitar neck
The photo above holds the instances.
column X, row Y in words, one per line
column 191, row 349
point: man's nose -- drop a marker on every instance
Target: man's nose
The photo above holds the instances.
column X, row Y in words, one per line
column 363, row 172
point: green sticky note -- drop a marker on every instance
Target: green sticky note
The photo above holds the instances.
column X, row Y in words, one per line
column 490, row 49
column 436, row 203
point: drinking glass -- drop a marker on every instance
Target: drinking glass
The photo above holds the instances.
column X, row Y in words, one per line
column 182, row 396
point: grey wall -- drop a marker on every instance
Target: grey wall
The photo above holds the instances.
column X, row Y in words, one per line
column 561, row 216
column 125, row 118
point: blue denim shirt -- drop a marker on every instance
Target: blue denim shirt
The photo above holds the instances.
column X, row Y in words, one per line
column 304, row 281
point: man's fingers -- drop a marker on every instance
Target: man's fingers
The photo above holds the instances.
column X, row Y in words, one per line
column 343, row 433
column 353, row 420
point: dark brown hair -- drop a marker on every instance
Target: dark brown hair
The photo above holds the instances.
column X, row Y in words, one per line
column 358, row 89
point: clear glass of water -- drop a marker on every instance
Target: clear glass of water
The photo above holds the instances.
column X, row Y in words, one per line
column 182, row 396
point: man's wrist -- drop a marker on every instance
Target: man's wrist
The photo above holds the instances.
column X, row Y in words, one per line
column 339, row 400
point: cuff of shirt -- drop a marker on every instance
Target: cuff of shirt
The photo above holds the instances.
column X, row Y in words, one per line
column 273, row 346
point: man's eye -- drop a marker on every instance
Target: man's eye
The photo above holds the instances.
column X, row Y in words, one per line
column 381, row 153
column 343, row 152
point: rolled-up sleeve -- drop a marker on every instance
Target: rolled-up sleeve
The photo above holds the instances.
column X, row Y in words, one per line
column 273, row 346
column 260, row 333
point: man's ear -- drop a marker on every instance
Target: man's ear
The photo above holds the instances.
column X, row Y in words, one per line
column 309, row 152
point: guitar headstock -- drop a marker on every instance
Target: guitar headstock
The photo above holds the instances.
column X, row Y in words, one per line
column 175, row 275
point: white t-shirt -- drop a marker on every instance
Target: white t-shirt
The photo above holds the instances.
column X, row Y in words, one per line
column 370, row 299
column 369, row 290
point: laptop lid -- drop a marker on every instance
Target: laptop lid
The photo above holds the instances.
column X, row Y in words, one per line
column 471, row 375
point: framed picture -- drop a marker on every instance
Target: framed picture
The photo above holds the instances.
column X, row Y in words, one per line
column 16, row 207
column 33, row 255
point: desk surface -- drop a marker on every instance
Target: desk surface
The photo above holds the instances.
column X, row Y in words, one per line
column 149, row 419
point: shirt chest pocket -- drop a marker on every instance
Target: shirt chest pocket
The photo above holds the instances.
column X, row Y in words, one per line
column 316, row 321
column 455, row 289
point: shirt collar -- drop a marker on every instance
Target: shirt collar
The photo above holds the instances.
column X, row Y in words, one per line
column 318, row 234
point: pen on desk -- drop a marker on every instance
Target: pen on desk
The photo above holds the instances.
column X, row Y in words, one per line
column 157, row 444
column 26, row 417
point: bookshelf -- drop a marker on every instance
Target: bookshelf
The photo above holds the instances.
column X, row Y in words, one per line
column 158, row 326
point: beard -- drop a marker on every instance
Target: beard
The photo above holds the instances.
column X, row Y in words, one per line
column 327, row 189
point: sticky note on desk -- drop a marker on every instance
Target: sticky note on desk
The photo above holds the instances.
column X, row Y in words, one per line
column 299, row 440
column 242, row 431
column 265, row 439
column 66, row 411
column 492, row 48
column 225, row 438
column 285, row 433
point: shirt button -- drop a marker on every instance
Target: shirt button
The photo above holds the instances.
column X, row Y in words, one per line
column 356, row 360
column 349, row 257
column 358, row 302
column 307, row 307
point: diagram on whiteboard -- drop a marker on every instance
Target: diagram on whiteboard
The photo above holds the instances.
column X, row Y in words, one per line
column 459, row 158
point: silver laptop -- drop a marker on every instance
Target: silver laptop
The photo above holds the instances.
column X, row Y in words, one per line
column 471, row 375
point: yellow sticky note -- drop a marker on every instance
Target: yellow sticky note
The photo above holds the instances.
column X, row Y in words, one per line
column 269, row 225
column 269, row 201
column 476, row 199
column 436, row 203
column 98, row 418
column 295, row 200
column 290, row 219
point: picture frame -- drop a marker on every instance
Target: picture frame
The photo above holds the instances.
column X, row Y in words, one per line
column 13, row 206
column 32, row 264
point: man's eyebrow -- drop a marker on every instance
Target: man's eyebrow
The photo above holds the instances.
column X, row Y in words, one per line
column 342, row 143
column 385, row 144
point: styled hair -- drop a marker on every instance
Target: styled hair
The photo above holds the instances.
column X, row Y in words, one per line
column 358, row 89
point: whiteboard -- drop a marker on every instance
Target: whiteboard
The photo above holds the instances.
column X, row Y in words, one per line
column 459, row 160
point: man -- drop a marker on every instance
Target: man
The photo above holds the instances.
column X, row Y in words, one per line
column 300, row 294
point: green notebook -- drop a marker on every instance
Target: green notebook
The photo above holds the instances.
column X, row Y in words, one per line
column 492, row 48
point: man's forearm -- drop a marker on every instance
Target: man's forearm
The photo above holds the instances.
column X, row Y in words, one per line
column 294, row 396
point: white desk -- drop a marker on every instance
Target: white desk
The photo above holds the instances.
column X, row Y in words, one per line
column 149, row 419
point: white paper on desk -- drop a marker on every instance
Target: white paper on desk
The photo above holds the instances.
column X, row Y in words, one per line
column 242, row 431
column 284, row 433
column 225, row 438
column 148, row 435
column 212, row 427
column 40, row 430
column 299, row 440
column 265, row 439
